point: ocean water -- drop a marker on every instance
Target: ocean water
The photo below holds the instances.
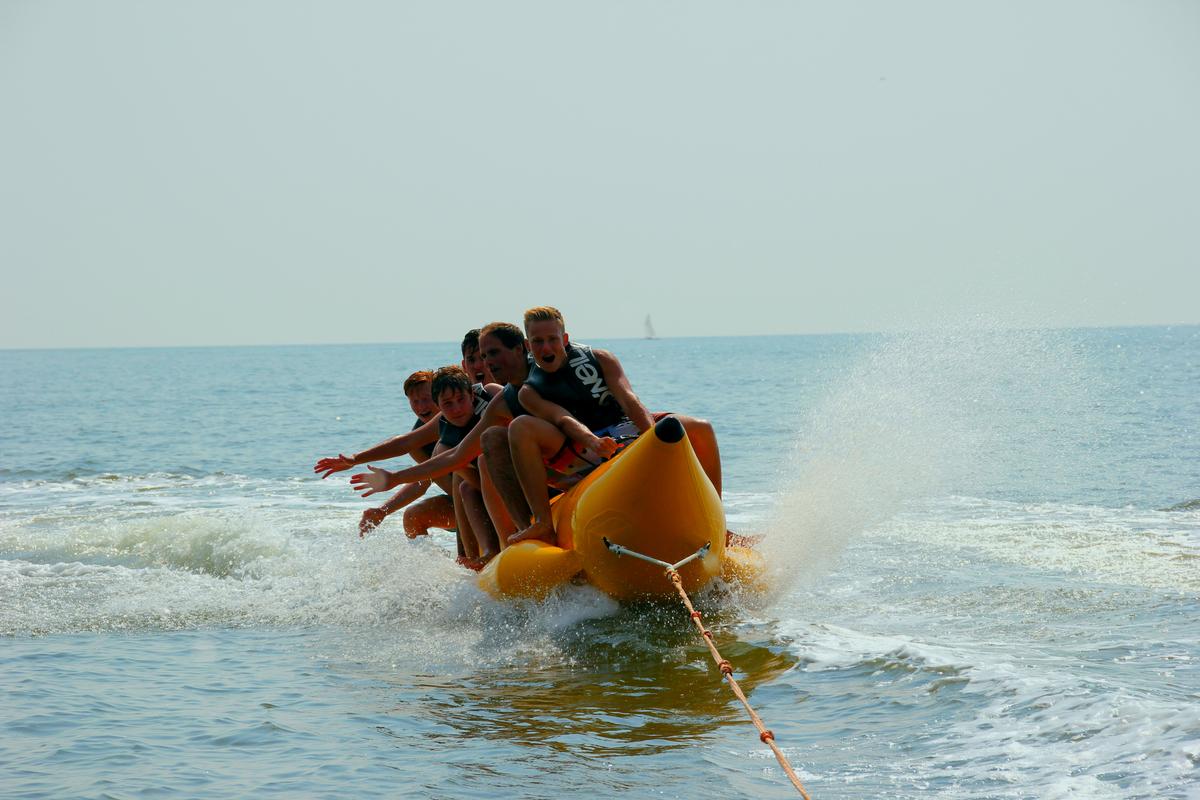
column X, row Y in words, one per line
column 985, row 551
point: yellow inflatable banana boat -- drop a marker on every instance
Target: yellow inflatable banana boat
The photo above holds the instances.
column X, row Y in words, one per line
column 652, row 498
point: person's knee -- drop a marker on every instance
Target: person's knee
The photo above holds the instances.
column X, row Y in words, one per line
column 522, row 429
column 495, row 439
column 414, row 525
column 698, row 430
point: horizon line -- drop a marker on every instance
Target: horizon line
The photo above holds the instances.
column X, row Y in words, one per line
column 53, row 348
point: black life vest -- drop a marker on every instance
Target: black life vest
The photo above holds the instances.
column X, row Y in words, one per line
column 512, row 401
column 427, row 449
column 578, row 386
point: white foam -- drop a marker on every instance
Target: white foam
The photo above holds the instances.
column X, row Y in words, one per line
column 1039, row 721
column 216, row 566
column 1131, row 547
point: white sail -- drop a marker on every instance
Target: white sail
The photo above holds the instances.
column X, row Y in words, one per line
column 650, row 328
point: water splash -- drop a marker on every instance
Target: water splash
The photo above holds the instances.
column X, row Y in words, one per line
column 918, row 415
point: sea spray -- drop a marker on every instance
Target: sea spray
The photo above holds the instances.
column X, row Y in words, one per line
column 917, row 415
column 229, row 566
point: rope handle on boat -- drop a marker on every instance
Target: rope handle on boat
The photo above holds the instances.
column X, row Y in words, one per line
column 672, row 571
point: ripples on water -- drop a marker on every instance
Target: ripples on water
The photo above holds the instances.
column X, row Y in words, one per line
column 985, row 586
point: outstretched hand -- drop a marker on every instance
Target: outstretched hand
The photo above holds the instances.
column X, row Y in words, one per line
column 372, row 482
column 332, row 465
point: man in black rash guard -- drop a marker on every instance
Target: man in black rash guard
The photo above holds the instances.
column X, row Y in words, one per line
column 580, row 405
column 462, row 404
column 503, row 347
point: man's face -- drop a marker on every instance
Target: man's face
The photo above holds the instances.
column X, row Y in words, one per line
column 506, row 364
column 456, row 406
column 420, row 400
column 548, row 342
column 473, row 365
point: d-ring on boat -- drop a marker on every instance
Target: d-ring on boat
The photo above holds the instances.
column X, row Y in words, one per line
column 653, row 498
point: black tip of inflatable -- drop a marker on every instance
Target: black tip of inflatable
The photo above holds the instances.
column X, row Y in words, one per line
column 669, row 430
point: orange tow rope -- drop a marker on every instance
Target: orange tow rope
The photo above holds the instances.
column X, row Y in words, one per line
column 726, row 668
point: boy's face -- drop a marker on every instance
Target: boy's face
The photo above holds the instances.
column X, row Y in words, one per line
column 456, row 406
column 548, row 342
column 420, row 400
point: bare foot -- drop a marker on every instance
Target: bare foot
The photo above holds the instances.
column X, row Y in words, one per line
column 538, row 530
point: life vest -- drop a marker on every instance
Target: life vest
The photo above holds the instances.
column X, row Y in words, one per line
column 427, row 449
column 512, row 400
column 578, row 386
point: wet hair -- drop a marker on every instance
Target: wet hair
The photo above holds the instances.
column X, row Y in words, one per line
column 540, row 313
column 416, row 379
column 508, row 334
column 450, row 379
column 470, row 341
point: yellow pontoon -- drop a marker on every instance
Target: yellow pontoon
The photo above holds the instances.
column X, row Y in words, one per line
column 652, row 498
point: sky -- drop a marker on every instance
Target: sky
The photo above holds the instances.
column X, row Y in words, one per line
column 270, row 172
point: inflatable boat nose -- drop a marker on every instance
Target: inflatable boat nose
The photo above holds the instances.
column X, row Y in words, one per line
column 669, row 430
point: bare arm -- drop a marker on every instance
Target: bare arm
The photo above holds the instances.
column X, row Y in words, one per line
column 396, row 446
column 461, row 454
column 622, row 392
column 556, row 415
column 371, row 517
column 402, row 498
column 455, row 458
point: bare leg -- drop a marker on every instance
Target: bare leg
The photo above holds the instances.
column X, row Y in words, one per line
column 468, row 548
column 432, row 512
column 504, row 476
column 531, row 441
column 485, row 534
column 704, row 441
column 502, row 523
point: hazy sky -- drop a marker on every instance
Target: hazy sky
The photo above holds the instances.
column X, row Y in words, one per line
column 176, row 173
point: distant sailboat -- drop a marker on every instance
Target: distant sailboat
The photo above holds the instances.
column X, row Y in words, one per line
column 650, row 328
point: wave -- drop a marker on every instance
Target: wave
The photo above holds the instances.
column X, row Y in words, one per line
column 1004, row 719
column 214, row 566
column 1126, row 547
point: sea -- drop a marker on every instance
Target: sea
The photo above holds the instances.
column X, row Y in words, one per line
column 984, row 582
